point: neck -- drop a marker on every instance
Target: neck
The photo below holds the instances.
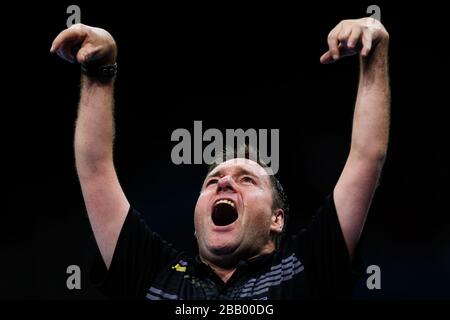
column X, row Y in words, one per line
column 225, row 272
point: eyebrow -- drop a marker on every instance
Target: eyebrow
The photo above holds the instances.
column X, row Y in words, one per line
column 241, row 171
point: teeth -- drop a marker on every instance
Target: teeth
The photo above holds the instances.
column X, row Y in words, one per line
column 225, row 201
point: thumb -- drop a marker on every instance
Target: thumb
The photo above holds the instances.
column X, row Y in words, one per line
column 85, row 53
column 327, row 58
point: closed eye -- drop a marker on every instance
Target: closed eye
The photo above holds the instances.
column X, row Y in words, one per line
column 247, row 179
column 211, row 181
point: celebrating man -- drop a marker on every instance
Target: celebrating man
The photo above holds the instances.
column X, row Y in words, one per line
column 241, row 212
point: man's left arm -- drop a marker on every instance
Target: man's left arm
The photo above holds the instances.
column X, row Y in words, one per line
column 355, row 188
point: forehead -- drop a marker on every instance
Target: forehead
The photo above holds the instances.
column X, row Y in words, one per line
column 238, row 165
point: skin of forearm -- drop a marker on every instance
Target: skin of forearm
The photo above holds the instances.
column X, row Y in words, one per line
column 94, row 131
column 370, row 132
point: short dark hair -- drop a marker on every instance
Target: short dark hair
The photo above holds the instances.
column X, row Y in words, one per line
column 280, row 200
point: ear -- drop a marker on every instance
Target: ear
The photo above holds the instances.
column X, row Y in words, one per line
column 277, row 222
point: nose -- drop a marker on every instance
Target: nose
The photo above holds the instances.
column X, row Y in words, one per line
column 225, row 184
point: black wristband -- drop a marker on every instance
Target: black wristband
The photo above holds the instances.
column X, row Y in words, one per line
column 99, row 72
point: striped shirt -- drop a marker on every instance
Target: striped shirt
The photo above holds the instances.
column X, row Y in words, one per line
column 313, row 263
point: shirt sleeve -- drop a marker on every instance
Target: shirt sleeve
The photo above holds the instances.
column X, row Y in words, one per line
column 139, row 256
column 330, row 273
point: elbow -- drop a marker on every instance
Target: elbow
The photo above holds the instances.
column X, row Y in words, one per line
column 374, row 154
column 88, row 167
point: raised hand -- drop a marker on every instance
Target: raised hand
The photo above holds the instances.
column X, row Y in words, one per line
column 351, row 37
column 81, row 43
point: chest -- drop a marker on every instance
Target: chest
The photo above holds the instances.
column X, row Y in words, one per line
column 283, row 279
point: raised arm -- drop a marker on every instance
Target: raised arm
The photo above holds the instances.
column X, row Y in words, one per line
column 356, row 186
column 105, row 201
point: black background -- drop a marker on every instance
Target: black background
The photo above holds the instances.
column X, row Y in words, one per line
column 231, row 67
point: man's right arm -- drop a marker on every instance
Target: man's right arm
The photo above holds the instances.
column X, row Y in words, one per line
column 105, row 201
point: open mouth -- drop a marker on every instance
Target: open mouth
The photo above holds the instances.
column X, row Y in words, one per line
column 224, row 213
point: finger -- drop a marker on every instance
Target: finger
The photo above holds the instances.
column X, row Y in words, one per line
column 326, row 58
column 344, row 34
column 367, row 43
column 63, row 36
column 86, row 53
column 333, row 42
column 74, row 34
column 344, row 51
column 66, row 53
column 354, row 37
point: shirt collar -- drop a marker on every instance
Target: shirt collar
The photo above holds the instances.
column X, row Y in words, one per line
column 200, row 268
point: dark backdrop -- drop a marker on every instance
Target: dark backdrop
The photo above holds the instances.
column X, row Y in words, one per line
column 231, row 67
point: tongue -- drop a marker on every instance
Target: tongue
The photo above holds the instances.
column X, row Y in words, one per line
column 224, row 214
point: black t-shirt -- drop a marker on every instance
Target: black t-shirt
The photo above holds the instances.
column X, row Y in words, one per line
column 314, row 263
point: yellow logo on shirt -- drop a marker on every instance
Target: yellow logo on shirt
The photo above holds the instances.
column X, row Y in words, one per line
column 179, row 268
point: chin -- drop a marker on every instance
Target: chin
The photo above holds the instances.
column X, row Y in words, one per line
column 222, row 249
column 222, row 258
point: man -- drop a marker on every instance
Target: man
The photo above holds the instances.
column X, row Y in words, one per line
column 240, row 213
